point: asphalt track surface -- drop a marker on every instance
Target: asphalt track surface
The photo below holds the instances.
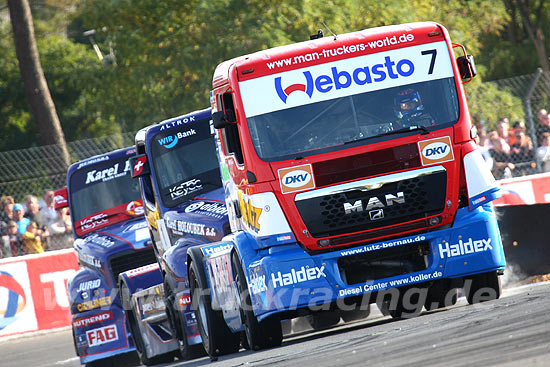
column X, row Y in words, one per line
column 511, row 331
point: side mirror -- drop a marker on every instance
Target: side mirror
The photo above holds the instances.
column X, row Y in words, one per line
column 222, row 120
column 466, row 66
column 140, row 166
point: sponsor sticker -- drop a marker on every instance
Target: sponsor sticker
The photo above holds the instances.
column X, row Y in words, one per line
column 213, row 249
column 144, row 269
column 184, row 301
column 464, row 247
column 102, row 335
column 94, row 303
column 297, row 178
column 297, row 276
column 85, row 321
column 438, row 150
column 91, row 284
column 135, row 208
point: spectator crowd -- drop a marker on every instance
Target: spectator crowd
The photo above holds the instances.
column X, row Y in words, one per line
column 34, row 226
column 509, row 150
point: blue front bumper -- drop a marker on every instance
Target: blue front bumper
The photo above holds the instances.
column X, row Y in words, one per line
column 288, row 278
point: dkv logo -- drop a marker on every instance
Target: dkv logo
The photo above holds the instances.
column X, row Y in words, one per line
column 436, row 150
column 296, row 178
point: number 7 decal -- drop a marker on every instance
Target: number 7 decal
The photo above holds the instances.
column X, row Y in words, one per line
column 432, row 62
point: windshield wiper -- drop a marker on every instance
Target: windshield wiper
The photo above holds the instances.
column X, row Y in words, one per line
column 423, row 129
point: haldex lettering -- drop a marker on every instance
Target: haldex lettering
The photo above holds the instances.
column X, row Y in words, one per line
column 297, row 276
column 374, row 203
column 464, row 247
column 210, row 250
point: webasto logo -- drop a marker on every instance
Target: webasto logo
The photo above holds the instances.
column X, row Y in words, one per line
column 342, row 79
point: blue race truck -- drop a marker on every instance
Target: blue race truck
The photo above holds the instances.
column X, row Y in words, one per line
column 111, row 237
column 179, row 178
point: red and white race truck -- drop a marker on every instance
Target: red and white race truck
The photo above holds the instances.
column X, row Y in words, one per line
column 351, row 177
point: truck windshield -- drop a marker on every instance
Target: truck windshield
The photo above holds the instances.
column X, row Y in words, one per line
column 102, row 186
column 329, row 125
column 185, row 162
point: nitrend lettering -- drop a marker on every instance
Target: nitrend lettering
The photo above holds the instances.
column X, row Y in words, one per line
column 380, row 246
column 464, row 247
column 92, row 319
column 343, row 50
column 171, row 124
column 297, row 276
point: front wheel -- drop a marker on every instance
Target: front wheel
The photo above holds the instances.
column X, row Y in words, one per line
column 483, row 287
column 177, row 323
column 217, row 339
column 258, row 335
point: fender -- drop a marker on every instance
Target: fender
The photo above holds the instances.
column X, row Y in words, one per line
column 88, row 290
column 482, row 187
column 141, row 278
column 176, row 270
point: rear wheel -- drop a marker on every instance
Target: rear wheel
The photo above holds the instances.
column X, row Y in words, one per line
column 354, row 315
column 259, row 335
column 217, row 339
column 324, row 319
column 483, row 287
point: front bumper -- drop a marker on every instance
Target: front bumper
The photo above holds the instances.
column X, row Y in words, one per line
column 288, row 278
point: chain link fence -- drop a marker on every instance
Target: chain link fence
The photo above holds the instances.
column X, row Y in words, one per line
column 520, row 147
column 35, row 171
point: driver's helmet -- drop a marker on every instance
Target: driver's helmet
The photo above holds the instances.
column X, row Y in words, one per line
column 408, row 103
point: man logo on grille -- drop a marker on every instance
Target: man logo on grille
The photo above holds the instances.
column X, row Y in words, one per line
column 376, row 214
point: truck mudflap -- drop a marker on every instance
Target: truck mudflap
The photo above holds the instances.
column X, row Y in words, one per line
column 286, row 278
column 101, row 333
column 146, row 301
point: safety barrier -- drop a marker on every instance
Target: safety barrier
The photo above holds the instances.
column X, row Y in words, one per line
column 33, row 292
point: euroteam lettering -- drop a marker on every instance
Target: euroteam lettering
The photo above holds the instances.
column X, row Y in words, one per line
column 341, row 79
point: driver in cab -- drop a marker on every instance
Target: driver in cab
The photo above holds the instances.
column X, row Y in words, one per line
column 409, row 110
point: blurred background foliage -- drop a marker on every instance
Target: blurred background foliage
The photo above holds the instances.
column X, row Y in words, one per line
column 159, row 55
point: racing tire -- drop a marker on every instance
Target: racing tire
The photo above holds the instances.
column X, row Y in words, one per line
column 323, row 319
column 442, row 293
column 133, row 327
column 177, row 323
column 483, row 287
column 406, row 304
column 354, row 315
column 257, row 335
column 217, row 339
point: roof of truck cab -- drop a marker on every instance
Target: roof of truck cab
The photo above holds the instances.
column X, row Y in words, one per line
column 257, row 61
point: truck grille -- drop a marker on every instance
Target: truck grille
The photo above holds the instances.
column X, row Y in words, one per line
column 127, row 260
column 373, row 203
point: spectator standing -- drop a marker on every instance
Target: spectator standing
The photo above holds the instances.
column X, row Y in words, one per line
column 544, row 124
column 32, row 212
column 19, row 218
column 6, row 214
column 61, row 231
column 503, row 130
column 521, row 150
column 31, row 240
column 543, row 152
column 12, row 241
column 502, row 167
column 48, row 213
